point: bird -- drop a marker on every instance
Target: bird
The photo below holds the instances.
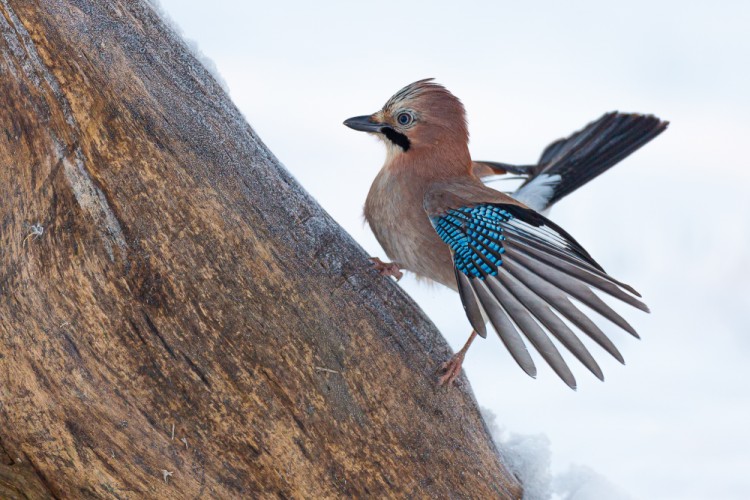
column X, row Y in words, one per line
column 435, row 215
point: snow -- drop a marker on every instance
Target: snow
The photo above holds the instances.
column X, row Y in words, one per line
column 582, row 483
column 529, row 458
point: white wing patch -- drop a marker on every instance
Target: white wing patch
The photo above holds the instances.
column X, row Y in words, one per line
column 538, row 192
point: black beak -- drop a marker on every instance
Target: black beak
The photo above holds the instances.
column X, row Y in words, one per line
column 363, row 123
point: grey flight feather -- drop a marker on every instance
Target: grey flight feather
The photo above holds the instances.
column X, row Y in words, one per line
column 574, row 288
column 562, row 304
column 504, row 327
column 471, row 306
column 551, row 321
column 531, row 329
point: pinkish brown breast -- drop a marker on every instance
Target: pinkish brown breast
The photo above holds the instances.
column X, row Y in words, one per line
column 394, row 210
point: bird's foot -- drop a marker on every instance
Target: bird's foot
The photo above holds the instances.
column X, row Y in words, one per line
column 451, row 369
column 387, row 268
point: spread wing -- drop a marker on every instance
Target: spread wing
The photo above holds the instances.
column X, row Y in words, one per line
column 520, row 270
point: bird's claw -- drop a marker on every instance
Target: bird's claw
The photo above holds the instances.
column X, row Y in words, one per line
column 451, row 369
column 387, row 268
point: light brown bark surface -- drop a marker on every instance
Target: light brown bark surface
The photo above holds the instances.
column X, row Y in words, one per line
column 178, row 318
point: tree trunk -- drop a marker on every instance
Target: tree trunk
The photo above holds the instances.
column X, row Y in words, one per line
column 178, row 318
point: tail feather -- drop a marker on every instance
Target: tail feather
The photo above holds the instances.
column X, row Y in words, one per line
column 590, row 152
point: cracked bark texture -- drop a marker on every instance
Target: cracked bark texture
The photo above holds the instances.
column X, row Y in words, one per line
column 188, row 308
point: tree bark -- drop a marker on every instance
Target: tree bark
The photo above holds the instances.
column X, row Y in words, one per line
column 178, row 318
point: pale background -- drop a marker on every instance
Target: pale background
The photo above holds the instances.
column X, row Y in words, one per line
column 672, row 220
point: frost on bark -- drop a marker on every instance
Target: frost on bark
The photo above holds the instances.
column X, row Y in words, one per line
column 178, row 318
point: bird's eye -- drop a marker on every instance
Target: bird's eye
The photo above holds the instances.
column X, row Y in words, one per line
column 404, row 118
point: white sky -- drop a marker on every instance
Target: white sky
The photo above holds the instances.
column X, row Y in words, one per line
column 672, row 220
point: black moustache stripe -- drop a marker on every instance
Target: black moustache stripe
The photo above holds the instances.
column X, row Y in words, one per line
column 396, row 138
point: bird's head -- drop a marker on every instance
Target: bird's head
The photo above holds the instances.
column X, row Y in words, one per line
column 421, row 116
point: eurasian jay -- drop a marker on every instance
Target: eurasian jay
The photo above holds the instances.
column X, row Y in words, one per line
column 434, row 216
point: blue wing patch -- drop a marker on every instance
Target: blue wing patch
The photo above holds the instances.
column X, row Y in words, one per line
column 475, row 235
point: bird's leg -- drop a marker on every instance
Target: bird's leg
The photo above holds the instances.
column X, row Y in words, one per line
column 452, row 367
column 387, row 268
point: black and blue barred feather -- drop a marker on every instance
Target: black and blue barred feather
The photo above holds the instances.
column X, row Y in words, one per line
column 517, row 269
column 475, row 235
